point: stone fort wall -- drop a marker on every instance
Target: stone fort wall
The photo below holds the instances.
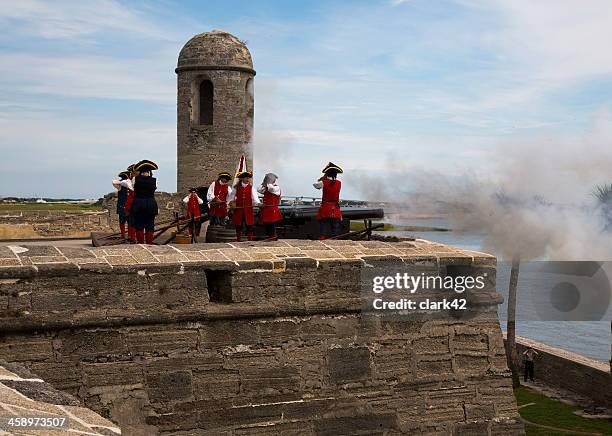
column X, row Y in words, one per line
column 52, row 223
column 253, row 338
column 59, row 223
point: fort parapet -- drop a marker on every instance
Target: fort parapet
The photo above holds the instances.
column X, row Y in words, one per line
column 52, row 223
column 254, row 338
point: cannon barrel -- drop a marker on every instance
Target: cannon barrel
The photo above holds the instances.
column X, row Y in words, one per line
column 306, row 212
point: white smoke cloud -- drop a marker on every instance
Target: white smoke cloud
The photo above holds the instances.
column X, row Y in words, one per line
column 272, row 145
column 535, row 200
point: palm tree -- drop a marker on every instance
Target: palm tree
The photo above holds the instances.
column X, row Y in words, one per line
column 511, row 323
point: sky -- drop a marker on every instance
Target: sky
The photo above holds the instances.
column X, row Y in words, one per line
column 88, row 86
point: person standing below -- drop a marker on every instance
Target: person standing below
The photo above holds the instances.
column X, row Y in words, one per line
column 193, row 202
column 243, row 198
column 144, row 207
column 217, row 198
column 270, row 214
column 529, row 355
column 121, row 185
column 329, row 214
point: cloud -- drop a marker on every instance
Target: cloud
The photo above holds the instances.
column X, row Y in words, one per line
column 77, row 156
column 69, row 19
column 104, row 77
column 559, row 41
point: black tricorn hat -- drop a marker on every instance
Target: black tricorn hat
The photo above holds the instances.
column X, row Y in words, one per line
column 146, row 165
column 193, row 189
column 124, row 175
column 130, row 168
column 332, row 168
column 242, row 174
column 225, row 175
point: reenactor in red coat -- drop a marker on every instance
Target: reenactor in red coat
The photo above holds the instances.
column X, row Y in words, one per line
column 242, row 200
column 193, row 202
column 329, row 214
column 270, row 214
column 217, row 198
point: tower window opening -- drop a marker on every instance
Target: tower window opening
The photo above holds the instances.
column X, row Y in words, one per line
column 206, row 102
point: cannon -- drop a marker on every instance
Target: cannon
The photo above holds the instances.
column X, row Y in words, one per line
column 300, row 222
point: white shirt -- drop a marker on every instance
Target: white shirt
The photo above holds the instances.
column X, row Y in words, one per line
column 319, row 184
column 254, row 197
column 127, row 183
column 273, row 188
column 210, row 194
column 186, row 199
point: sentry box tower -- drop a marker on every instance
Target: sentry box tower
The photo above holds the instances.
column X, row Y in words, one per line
column 214, row 107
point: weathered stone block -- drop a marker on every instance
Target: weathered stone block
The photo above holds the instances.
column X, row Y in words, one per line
column 348, row 364
column 471, row 364
column 276, row 429
column 162, row 342
column 364, row 424
column 169, row 386
column 433, row 366
column 88, row 345
column 431, row 345
column 112, row 373
column 216, row 384
column 25, row 349
column 471, row 429
column 479, row 411
column 265, row 380
column 476, row 342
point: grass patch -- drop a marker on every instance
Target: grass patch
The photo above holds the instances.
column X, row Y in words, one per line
column 359, row 225
column 50, row 206
column 553, row 413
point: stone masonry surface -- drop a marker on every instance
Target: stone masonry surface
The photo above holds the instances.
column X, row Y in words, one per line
column 23, row 394
column 254, row 338
column 37, row 224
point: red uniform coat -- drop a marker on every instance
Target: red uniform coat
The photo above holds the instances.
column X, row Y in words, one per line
column 129, row 201
column 219, row 209
column 244, row 205
column 331, row 196
column 270, row 212
column 193, row 207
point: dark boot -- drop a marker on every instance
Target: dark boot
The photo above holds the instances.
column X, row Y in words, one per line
column 132, row 234
column 140, row 238
column 250, row 236
column 149, row 237
column 238, row 235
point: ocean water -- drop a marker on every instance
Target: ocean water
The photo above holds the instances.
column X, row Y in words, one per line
column 588, row 338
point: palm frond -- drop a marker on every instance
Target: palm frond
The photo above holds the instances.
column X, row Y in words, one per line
column 603, row 193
